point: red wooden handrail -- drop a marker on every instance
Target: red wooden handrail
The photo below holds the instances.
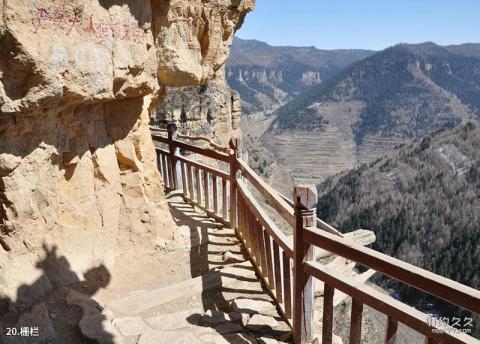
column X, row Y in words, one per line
column 444, row 288
column 300, row 215
column 409, row 316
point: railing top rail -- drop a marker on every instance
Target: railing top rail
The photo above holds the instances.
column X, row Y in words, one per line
column 410, row 316
column 444, row 288
column 160, row 138
column 214, row 145
column 270, row 226
column 277, row 202
column 204, row 167
column 161, row 150
column 194, row 149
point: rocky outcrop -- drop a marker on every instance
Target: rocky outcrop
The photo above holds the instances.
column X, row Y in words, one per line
column 78, row 80
column 211, row 110
column 195, row 37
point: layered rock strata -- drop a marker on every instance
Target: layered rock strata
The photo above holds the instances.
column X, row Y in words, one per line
column 211, row 110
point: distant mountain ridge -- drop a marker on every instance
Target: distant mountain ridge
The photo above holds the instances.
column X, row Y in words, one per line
column 467, row 49
column 372, row 105
column 269, row 76
column 407, row 91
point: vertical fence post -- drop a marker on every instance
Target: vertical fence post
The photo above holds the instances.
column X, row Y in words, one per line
column 172, row 135
column 235, row 145
column 305, row 199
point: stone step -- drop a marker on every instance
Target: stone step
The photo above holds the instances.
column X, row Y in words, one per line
column 227, row 304
column 194, row 326
column 239, row 275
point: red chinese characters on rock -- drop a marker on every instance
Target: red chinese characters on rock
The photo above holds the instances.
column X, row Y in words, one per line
column 65, row 20
column 42, row 17
column 75, row 21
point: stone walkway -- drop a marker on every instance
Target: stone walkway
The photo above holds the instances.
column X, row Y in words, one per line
column 222, row 302
column 199, row 289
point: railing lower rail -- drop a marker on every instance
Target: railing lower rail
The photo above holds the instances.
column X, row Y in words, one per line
column 396, row 310
column 288, row 269
column 426, row 281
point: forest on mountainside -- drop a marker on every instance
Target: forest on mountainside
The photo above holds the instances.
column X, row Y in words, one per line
column 408, row 91
column 422, row 202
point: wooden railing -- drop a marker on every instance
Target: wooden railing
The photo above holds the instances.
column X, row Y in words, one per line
column 268, row 247
column 288, row 269
column 205, row 187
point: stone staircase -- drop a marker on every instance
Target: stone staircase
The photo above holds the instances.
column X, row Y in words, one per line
column 223, row 302
column 199, row 289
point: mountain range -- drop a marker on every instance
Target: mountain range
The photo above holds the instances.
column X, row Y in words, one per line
column 365, row 110
column 405, row 91
column 267, row 76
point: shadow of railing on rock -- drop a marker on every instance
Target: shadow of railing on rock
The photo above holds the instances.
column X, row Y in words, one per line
column 218, row 314
column 288, row 268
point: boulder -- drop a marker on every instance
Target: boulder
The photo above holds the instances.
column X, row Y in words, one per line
column 95, row 323
column 88, row 305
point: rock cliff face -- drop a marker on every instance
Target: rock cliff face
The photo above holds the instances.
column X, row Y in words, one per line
column 78, row 80
column 211, row 110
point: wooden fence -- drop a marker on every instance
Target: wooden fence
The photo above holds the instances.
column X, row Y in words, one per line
column 288, row 269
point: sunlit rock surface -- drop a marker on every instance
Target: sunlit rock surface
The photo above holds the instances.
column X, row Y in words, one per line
column 77, row 163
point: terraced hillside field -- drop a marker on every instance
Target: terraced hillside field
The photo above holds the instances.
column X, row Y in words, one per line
column 312, row 156
column 360, row 114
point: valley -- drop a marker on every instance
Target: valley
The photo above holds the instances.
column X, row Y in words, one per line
column 391, row 141
column 367, row 109
column 316, row 155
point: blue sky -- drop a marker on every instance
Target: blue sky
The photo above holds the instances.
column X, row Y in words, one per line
column 369, row 24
